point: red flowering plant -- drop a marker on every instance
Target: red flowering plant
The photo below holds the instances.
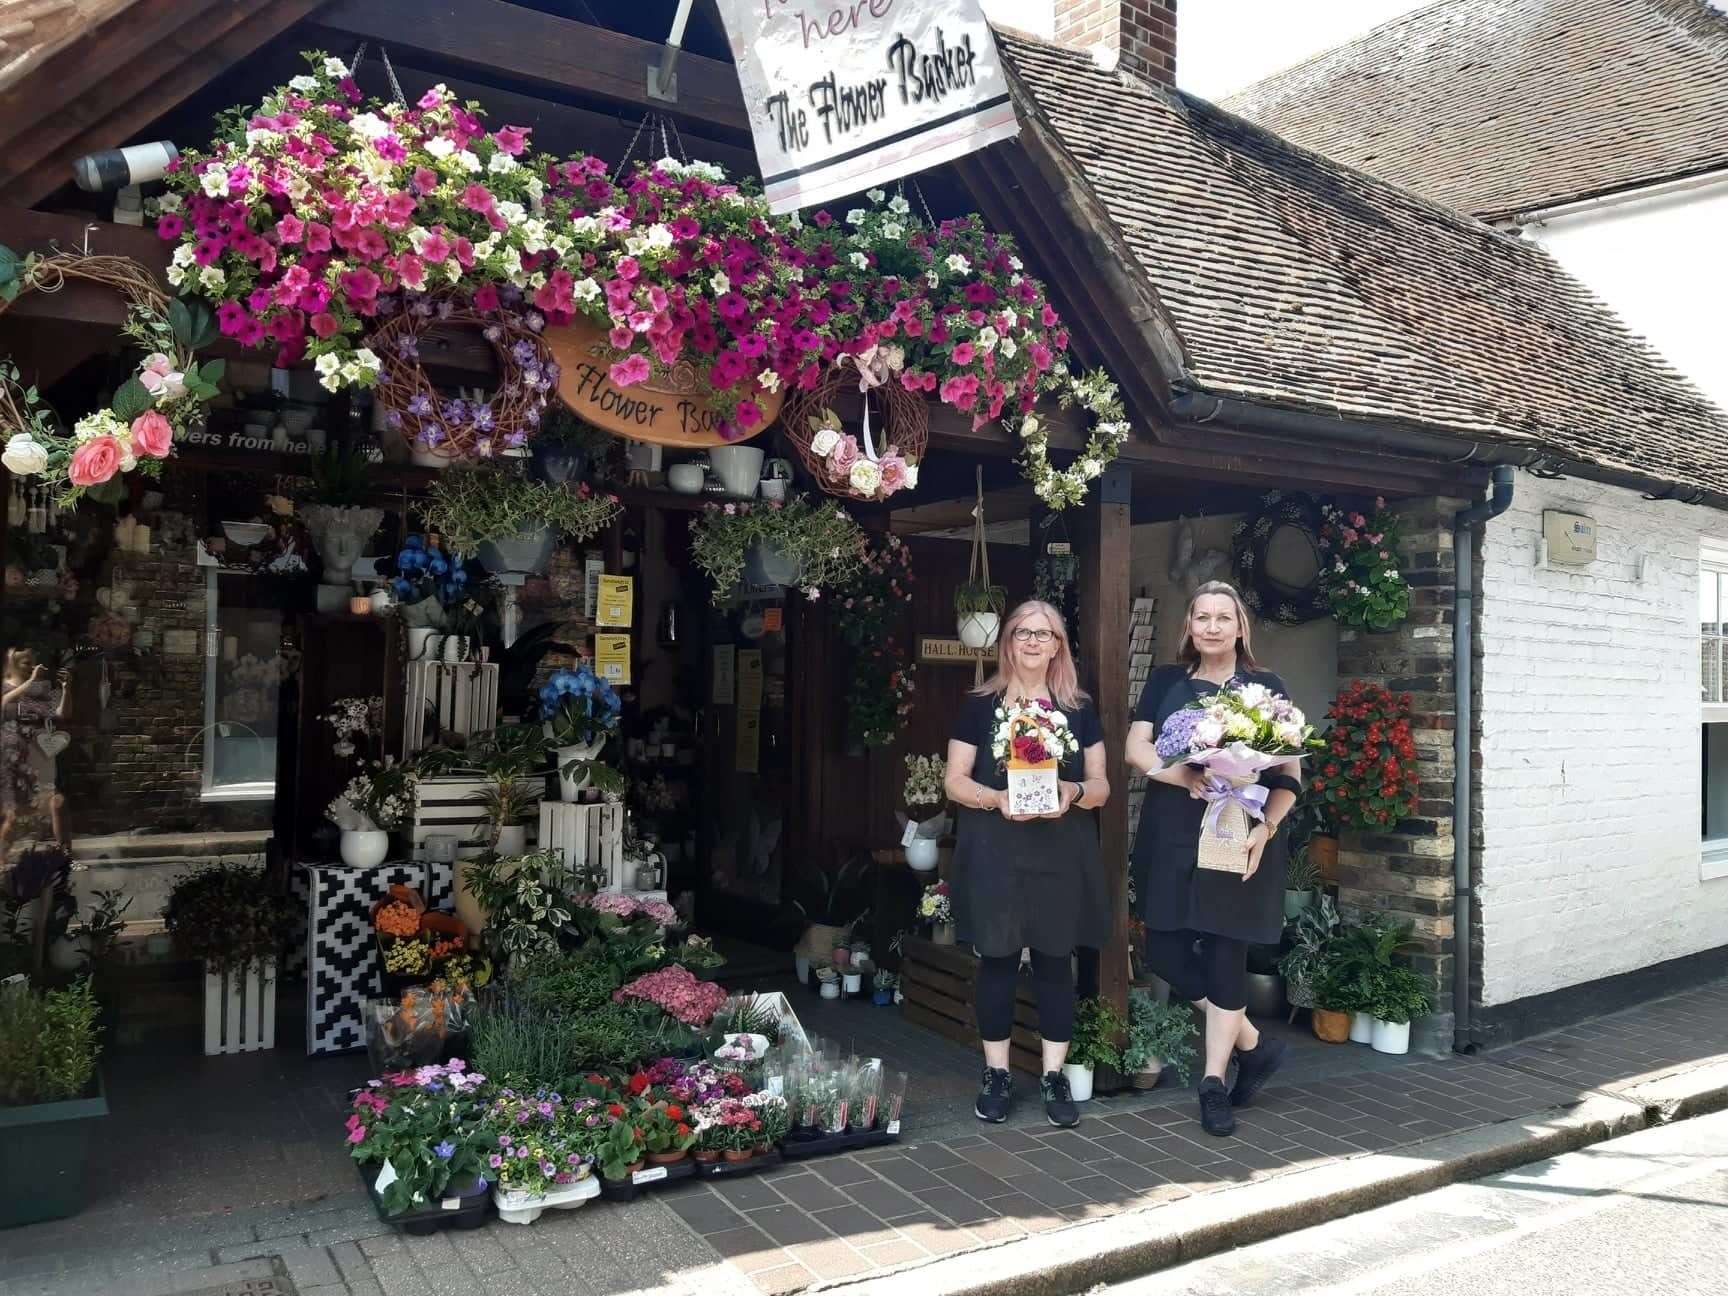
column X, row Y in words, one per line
column 679, row 264
column 425, row 1130
column 1367, row 776
column 1359, row 567
column 666, row 1128
column 320, row 212
column 729, row 1125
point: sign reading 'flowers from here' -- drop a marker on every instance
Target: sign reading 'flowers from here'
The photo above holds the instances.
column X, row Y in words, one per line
column 846, row 94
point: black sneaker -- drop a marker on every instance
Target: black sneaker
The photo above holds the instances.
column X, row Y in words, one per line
column 995, row 1096
column 1059, row 1100
column 1254, row 1068
column 1216, row 1118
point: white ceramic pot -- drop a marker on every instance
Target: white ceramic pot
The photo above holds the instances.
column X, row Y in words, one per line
column 525, row 1208
column 454, row 649
column 921, row 854
column 854, row 982
column 1079, row 1081
column 1361, row 1028
column 570, row 789
column 418, row 638
column 1391, row 1037
column 943, row 935
column 427, row 458
column 739, row 468
column 978, row 630
column 1295, row 902
column 831, row 989
column 1147, row 1076
column 364, row 848
column 526, row 553
column 513, row 840
column 773, row 489
column 801, row 968
column 687, row 478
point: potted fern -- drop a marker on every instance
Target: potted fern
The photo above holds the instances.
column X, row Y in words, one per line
column 978, row 612
column 1097, row 1027
column 1158, row 1036
column 50, row 1097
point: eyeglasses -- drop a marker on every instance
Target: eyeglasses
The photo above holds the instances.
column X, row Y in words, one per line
column 1023, row 635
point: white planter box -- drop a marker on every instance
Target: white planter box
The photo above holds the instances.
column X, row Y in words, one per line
column 240, row 1009
column 451, row 807
column 525, row 1208
column 588, row 836
column 461, row 697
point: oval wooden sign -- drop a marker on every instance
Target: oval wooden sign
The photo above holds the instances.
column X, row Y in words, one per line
column 669, row 409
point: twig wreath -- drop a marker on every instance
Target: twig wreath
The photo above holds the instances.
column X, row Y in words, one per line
column 840, row 463
column 454, row 428
column 1266, row 596
column 1094, row 392
column 149, row 410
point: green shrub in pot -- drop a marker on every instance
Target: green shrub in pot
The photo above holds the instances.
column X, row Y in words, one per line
column 1397, row 995
column 1097, row 1027
column 472, row 505
column 48, row 1044
column 227, row 917
column 1158, row 1033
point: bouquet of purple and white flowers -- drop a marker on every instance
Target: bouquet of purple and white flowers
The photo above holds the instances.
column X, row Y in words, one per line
column 1234, row 735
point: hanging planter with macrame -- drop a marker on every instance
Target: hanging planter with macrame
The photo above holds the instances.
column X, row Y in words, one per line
column 878, row 462
column 978, row 605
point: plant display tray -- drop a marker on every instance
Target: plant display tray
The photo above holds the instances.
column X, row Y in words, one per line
column 648, row 1178
column 466, row 1209
column 525, row 1208
column 800, row 1145
column 724, row 1169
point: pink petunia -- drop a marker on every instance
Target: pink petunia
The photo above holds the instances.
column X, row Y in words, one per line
column 630, row 371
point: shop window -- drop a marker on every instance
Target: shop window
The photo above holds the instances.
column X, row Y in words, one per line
column 243, row 671
column 1712, row 622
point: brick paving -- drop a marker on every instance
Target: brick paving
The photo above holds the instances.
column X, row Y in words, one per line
column 292, row 1220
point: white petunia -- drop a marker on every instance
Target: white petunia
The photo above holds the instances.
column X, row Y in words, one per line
column 176, row 276
column 213, row 278
column 335, row 67
column 959, row 264
column 898, row 205
column 859, row 261
column 659, row 236
column 855, row 216
column 215, row 181
column 587, row 289
column 369, row 125
column 892, row 229
column 467, row 160
column 931, row 277
column 502, row 163
column 440, row 147
column 719, row 283
column 768, row 380
column 875, row 195
column 327, row 364
column 304, row 84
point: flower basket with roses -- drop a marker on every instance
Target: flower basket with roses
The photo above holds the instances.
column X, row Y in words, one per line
column 1359, row 568
column 822, row 541
column 1367, row 774
column 425, row 1130
column 306, row 218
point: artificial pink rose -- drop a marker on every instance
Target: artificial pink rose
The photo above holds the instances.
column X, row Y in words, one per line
column 843, row 456
column 893, row 473
column 152, row 435
column 94, row 462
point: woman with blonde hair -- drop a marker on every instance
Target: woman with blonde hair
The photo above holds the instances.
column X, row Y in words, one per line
column 1028, row 882
column 1200, row 922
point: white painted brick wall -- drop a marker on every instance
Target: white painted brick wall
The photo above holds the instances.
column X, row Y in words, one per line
column 1590, row 745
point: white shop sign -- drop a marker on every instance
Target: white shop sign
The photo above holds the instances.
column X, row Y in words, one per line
column 844, row 95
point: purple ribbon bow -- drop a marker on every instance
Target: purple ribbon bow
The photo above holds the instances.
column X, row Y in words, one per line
column 1220, row 791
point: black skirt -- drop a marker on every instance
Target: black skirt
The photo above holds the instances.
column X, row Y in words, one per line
column 1170, row 892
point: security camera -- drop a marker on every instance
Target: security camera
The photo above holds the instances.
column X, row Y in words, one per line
column 117, row 168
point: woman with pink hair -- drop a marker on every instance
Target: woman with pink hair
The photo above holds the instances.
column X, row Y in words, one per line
column 1024, row 882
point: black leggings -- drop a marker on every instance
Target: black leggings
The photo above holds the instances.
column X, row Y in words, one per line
column 1052, row 984
column 1216, row 972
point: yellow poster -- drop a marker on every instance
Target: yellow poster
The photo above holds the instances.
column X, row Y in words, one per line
column 749, row 679
column 749, row 742
column 616, row 602
column 612, row 658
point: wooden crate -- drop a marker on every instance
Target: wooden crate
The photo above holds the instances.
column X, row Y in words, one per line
column 240, row 1009
column 462, row 695
column 588, row 835
column 451, row 807
column 937, row 982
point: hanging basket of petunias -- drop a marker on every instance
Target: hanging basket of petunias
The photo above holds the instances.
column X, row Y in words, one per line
column 691, row 331
column 309, row 221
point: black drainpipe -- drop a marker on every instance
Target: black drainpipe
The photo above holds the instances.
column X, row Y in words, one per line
column 1463, row 666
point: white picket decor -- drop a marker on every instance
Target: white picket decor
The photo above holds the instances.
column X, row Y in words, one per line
column 463, row 696
column 240, row 1009
column 451, row 807
column 588, row 836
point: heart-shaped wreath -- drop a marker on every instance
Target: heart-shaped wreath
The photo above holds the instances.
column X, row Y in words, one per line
column 150, row 410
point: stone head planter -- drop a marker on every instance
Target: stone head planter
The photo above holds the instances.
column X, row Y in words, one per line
column 340, row 534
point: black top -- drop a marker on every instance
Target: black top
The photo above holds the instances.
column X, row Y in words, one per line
column 1171, row 893
column 1038, row 884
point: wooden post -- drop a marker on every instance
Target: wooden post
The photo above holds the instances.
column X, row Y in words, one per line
column 1103, row 540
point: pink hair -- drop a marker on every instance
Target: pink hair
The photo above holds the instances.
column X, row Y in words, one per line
column 1060, row 677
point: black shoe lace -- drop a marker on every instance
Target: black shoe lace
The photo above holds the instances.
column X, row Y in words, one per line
column 1215, row 1103
column 1056, row 1088
column 997, row 1084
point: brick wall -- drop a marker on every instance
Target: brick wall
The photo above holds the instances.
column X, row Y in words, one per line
column 1407, row 873
column 1589, row 857
column 1141, row 33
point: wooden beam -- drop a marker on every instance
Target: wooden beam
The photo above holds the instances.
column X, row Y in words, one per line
column 1104, row 543
column 525, row 45
column 95, row 56
column 172, row 86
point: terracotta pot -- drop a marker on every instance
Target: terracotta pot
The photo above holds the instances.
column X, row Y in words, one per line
column 1333, row 1027
column 705, row 1156
column 632, row 1168
column 1323, row 852
column 739, row 1154
column 762, row 1149
column 668, row 1158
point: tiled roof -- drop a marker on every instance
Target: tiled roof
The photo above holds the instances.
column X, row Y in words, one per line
column 1296, row 282
column 1497, row 107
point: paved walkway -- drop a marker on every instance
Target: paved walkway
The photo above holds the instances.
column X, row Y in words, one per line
column 233, row 1197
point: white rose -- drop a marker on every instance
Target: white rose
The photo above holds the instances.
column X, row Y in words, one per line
column 24, row 456
column 911, row 476
column 1029, row 425
column 1058, row 719
column 823, row 443
column 866, row 477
